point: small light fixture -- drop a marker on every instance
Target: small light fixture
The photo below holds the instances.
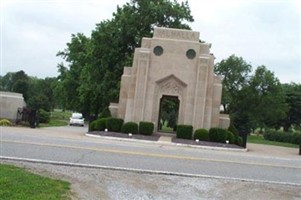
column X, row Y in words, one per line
column 197, row 140
column 106, row 130
column 227, row 141
column 130, row 134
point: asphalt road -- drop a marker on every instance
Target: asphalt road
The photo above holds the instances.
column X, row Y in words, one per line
column 69, row 144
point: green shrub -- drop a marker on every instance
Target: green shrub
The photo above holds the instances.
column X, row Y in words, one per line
column 4, row 122
column 238, row 140
column 146, row 128
column 201, row 134
column 218, row 135
column 230, row 137
column 184, row 131
column 105, row 113
column 296, row 138
column 233, row 129
column 92, row 126
column 280, row 136
column 114, row 124
column 99, row 124
column 130, row 127
column 44, row 116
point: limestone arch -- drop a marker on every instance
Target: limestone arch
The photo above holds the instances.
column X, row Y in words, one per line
column 169, row 86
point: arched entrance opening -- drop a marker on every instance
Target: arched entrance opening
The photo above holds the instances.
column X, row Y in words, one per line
column 168, row 113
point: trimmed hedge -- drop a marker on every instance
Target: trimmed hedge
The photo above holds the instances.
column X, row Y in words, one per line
column 280, row 136
column 201, row 134
column 218, row 135
column 100, row 124
column 230, row 137
column 146, row 128
column 130, row 127
column 184, row 131
column 92, row 126
column 114, row 124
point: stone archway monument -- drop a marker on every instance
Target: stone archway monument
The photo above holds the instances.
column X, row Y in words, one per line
column 172, row 63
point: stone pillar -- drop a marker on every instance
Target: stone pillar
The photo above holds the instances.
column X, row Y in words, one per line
column 200, row 93
column 216, row 102
column 124, row 89
column 141, row 85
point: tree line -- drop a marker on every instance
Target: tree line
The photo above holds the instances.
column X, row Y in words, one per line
column 90, row 78
column 257, row 100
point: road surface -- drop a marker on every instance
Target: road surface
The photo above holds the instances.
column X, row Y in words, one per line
column 70, row 145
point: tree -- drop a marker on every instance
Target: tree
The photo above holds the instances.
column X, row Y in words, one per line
column 37, row 93
column 16, row 82
column 251, row 100
column 234, row 72
column 41, row 95
column 77, row 56
column 266, row 99
column 7, row 82
column 96, row 63
column 293, row 100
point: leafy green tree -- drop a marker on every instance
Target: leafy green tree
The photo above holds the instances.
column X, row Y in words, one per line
column 92, row 79
column 234, row 72
column 7, row 82
column 293, row 100
column 77, row 56
column 41, row 95
column 266, row 99
column 37, row 93
column 16, row 82
column 251, row 100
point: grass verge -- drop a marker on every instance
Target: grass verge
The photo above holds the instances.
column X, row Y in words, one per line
column 164, row 128
column 17, row 183
column 258, row 139
column 57, row 118
column 54, row 122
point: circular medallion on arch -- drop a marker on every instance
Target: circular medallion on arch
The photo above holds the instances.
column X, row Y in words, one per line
column 190, row 53
column 158, row 51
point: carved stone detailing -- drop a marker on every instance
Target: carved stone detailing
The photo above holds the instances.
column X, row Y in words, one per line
column 176, row 34
column 171, row 87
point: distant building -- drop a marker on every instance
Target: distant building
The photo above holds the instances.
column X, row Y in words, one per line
column 9, row 104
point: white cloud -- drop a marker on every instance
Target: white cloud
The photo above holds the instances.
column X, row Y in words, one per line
column 262, row 32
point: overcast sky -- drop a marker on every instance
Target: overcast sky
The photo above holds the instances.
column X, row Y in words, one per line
column 262, row 32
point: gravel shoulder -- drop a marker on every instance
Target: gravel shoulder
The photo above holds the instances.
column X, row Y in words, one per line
column 92, row 183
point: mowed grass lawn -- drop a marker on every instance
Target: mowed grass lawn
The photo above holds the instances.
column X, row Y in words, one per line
column 258, row 139
column 58, row 118
column 17, row 183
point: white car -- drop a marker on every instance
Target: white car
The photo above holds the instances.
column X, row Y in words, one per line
column 77, row 119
